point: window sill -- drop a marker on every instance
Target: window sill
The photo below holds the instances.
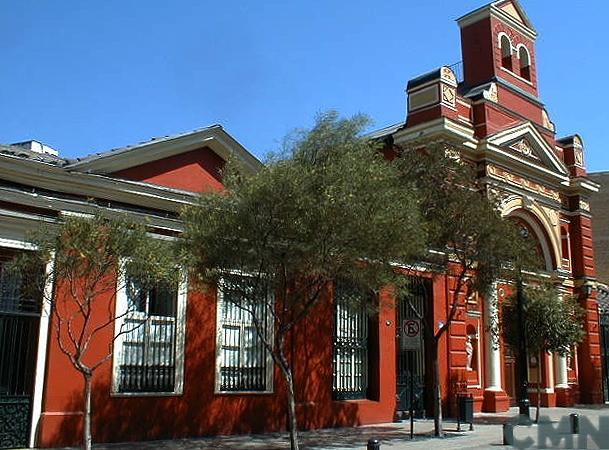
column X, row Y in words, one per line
column 145, row 394
column 514, row 74
column 356, row 400
column 229, row 393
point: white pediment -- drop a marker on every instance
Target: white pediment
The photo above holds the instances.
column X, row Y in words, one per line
column 526, row 145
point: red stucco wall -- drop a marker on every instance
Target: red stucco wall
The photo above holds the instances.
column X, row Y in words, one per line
column 196, row 171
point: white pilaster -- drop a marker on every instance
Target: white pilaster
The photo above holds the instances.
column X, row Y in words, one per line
column 560, row 369
column 43, row 337
column 493, row 356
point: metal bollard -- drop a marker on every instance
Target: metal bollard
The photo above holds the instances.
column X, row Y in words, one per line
column 574, row 423
column 508, row 434
column 374, row 444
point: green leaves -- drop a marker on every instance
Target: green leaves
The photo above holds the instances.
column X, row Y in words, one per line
column 328, row 203
column 553, row 322
column 464, row 225
column 89, row 252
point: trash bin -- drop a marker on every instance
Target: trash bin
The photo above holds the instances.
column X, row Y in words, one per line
column 373, row 444
column 466, row 412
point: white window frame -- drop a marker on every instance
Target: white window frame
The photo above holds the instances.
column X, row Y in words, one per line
column 122, row 313
column 270, row 367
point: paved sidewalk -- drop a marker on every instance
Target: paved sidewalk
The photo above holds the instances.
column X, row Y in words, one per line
column 488, row 433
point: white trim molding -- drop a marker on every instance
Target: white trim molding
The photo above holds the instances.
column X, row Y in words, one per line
column 41, row 355
column 123, row 313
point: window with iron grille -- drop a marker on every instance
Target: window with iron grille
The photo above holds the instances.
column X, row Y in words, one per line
column 150, row 345
column 350, row 361
column 244, row 364
column 12, row 297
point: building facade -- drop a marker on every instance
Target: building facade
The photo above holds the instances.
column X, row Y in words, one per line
column 196, row 368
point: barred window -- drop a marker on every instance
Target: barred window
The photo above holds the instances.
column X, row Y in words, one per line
column 150, row 349
column 13, row 297
column 244, row 364
column 350, row 361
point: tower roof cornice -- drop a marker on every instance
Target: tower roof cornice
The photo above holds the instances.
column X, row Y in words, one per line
column 508, row 11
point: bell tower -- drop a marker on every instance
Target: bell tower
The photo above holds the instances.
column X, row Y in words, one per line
column 498, row 44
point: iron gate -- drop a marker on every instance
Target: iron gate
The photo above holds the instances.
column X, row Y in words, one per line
column 411, row 363
column 604, row 322
column 19, row 324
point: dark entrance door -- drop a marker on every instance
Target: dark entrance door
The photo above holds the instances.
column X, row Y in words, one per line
column 19, row 324
column 511, row 375
column 604, row 322
column 410, row 362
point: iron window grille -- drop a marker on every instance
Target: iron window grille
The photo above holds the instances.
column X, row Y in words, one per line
column 20, row 310
column 12, row 299
column 148, row 353
column 350, row 355
column 244, row 364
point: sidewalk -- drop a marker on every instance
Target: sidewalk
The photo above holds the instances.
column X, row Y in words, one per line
column 488, row 433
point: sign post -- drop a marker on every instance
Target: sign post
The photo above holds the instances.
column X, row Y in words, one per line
column 411, row 340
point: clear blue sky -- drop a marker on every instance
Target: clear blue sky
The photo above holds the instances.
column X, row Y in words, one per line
column 86, row 76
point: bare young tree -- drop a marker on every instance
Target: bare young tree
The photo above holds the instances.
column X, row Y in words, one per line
column 89, row 259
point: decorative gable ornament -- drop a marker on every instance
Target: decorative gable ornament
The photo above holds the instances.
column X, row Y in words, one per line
column 523, row 146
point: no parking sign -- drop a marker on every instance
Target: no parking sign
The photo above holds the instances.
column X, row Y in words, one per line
column 410, row 334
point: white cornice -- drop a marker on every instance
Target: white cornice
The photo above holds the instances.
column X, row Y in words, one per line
column 498, row 13
column 439, row 127
column 581, row 185
column 527, row 129
column 49, row 177
column 74, row 207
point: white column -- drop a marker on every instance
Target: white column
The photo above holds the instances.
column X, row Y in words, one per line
column 560, row 369
column 493, row 356
column 549, row 358
column 43, row 336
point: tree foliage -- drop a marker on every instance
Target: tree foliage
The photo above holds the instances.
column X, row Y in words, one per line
column 467, row 238
column 552, row 324
column 330, row 206
column 88, row 259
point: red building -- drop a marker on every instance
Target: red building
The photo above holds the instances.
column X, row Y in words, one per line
column 208, row 375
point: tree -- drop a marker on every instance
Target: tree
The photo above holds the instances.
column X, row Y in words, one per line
column 467, row 237
column 89, row 259
column 329, row 207
column 552, row 324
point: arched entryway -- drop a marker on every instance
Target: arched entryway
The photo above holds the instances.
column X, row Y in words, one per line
column 532, row 227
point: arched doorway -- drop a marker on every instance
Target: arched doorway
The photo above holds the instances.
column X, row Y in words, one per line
column 531, row 227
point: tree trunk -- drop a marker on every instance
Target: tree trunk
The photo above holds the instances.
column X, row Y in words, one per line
column 437, row 390
column 538, row 387
column 87, row 440
column 291, row 399
column 293, row 425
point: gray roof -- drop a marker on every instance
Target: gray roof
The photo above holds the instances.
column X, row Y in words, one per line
column 386, row 131
column 24, row 153
column 119, row 150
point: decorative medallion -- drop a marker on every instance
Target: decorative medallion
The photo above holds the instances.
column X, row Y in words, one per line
column 452, row 153
column 448, row 75
column 491, row 93
column 546, row 121
column 579, row 156
column 584, row 205
column 524, row 147
column 448, row 95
